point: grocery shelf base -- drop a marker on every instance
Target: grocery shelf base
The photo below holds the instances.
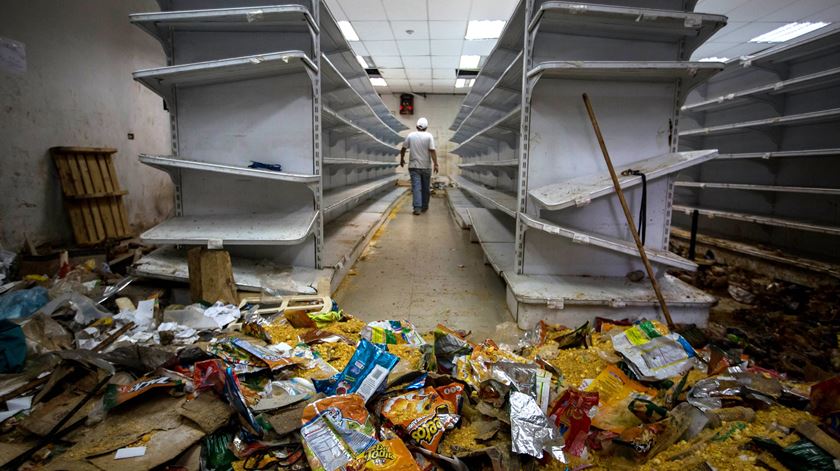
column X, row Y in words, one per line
column 170, row 263
column 348, row 236
column 459, row 203
column 572, row 300
column 496, row 233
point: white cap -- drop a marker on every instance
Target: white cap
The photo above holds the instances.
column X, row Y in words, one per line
column 422, row 123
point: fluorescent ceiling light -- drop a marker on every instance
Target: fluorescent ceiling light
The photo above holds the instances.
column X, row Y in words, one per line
column 378, row 82
column 788, row 32
column 484, row 29
column 463, row 83
column 713, row 59
column 469, row 62
column 362, row 61
column 348, row 31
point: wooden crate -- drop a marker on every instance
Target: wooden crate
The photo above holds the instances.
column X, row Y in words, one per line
column 92, row 193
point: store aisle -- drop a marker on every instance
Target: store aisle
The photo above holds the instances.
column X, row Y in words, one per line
column 424, row 269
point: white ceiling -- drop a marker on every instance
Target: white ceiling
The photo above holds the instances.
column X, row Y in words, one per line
column 425, row 61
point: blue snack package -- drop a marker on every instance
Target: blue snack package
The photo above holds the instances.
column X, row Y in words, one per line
column 366, row 371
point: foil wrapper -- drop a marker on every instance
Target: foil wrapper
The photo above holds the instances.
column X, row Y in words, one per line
column 531, row 432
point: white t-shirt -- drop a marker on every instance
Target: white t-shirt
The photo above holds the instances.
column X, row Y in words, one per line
column 419, row 143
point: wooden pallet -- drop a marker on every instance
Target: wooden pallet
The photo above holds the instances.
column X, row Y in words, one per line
column 92, row 193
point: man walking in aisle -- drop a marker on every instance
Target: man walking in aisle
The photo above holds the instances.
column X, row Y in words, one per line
column 421, row 147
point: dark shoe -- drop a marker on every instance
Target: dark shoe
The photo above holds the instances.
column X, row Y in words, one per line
column 416, row 212
column 424, row 210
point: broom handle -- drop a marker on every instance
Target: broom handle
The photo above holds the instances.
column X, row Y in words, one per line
column 627, row 215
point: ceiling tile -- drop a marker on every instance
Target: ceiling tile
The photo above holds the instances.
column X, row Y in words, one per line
column 748, row 31
column 398, row 86
column 447, row 47
column 711, row 50
column 447, row 29
column 392, row 74
column 384, row 48
column 417, row 62
column 373, row 30
column 363, row 9
column 448, row 9
column 757, row 10
column 359, row 48
column 831, row 14
column 443, row 83
column 803, row 10
column 383, row 61
column 405, row 10
column 420, row 28
column 744, row 49
column 720, row 7
column 492, row 9
column 414, row 47
column 415, row 74
column 480, row 47
column 443, row 73
column 445, row 62
column 421, row 86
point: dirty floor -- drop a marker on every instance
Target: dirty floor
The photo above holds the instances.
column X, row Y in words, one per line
column 424, row 269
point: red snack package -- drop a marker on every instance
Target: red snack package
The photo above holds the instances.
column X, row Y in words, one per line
column 570, row 413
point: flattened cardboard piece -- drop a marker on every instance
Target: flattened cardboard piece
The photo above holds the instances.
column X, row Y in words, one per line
column 288, row 419
column 44, row 417
column 163, row 447
column 207, row 411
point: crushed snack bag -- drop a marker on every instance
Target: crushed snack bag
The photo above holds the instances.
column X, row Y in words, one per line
column 270, row 358
column 392, row 333
column 116, row 394
column 424, row 416
column 387, row 455
column 570, row 413
column 335, row 430
column 366, row 371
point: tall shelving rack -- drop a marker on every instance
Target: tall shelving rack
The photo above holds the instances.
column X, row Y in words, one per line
column 544, row 209
column 774, row 118
column 248, row 82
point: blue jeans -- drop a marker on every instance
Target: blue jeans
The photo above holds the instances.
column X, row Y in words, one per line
column 421, row 178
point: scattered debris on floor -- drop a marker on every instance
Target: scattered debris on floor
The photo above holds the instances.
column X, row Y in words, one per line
column 102, row 370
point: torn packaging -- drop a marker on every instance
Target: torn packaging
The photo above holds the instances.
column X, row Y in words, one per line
column 335, row 430
column 531, row 432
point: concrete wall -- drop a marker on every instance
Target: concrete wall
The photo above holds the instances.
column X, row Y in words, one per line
column 440, row 110
column 76, row 90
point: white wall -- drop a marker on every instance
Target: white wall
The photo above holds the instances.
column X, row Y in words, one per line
column 77, row 91
column 440, row 110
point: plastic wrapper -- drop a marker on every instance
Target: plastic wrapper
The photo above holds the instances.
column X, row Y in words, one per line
column 367, row 371
column 215, row 453
column 314, row 367
column 531, row 432
column 116, row 394
column 393, row 333
column 423, row 416
column 22, row 303
column 616, row 391
column 573, row 339
column 237, row 401
column 647, row 440
column 209, row 374
column 240, row 360
column 273, row 360
column 653, row 353
column 800, row 456
column 448, row 346
column 571, row 414
column 727, row 390
column 336, row 430
column 387, row 455
column 258, row 326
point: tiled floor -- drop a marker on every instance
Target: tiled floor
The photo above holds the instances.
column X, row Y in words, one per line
column 424, row 269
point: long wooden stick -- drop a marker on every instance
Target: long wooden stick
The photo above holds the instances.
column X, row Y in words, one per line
column 627, row 215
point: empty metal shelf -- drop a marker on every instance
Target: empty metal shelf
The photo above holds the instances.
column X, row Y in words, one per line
column 766, row 188
column 331, row 120
column 494, row 199
column 284, row 18
column 505, row 128
column 581, row 190
column 635, row 24
column 162, row 80
column 172, row 165
column 790, row 120
column 780, row 154
column 610, row 243
column 690, row 73
column 358, row 162
column 234, row 229
column 758, row 219
column 335, row 197
column 491, row 163
column 806, row 82
column 501, row 98
column 820, row 44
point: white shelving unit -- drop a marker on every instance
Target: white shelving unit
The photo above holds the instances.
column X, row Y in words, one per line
column 276, row 84
column 535, row 162
column 774, row 118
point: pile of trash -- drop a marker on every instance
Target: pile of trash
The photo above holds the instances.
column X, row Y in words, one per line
column 94, row 379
